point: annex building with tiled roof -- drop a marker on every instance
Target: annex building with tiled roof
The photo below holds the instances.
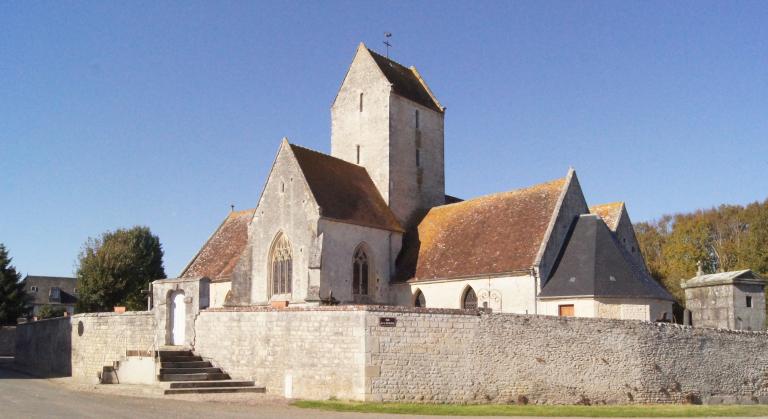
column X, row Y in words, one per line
column 370, row 223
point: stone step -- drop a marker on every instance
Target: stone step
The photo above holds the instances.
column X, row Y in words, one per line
column 203, row 390
column 163, row 353
column 191, row 364
column 206, row 376
column 164, row 371
column 211, row 384
column 185, row 358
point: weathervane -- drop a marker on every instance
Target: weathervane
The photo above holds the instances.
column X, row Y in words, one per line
column 387, row 35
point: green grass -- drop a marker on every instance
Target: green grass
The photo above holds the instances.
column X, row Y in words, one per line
column 534, row 410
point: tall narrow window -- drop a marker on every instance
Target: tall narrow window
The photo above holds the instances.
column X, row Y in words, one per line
column 282, row 266
column 749, row 301
column 418, row 157
column 419, row 301
column 361, row 102
column 469, row 300
column 416, row 118
column 358, row 153
column 360, row 273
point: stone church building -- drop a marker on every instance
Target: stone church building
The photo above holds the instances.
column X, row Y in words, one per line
column 371, row 224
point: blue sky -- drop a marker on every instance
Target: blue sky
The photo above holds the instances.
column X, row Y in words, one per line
column 114, row 114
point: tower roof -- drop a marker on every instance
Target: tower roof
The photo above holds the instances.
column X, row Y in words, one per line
column 407, row 82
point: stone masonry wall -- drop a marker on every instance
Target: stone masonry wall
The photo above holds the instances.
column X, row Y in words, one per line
column 43, row 347
column 464, row 357
column 99, row 339
column 7, row 340
column 312, row 353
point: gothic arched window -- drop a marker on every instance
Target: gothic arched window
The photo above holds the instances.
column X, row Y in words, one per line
column 281, row 260
column 360, row 272
column 419, row 300
column 469, row 300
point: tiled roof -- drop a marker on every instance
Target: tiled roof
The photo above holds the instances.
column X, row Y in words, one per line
column 43, row 284
column 344, row 191
column 745, row 276
column 219, row 255
column 406, row 82
column 492, row 234
column 610, row 213
column 592, row 264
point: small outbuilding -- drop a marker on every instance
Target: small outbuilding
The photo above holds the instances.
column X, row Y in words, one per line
column 726, row 300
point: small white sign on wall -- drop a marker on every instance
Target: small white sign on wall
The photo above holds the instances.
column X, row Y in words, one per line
column 288, row 386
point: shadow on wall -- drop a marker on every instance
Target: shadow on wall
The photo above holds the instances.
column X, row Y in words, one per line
column 44, row 347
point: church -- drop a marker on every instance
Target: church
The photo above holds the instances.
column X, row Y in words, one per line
column 371, row 224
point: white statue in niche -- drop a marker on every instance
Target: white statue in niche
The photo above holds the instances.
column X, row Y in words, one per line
column 489, row 299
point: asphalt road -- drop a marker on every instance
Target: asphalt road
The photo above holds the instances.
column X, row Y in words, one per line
column 24, row 397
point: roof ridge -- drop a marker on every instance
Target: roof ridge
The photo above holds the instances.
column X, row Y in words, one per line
column 387, row 58
column 496, row 194
column 325, row 155
column 607, row 204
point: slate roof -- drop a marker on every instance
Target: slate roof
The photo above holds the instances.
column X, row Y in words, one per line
column 406, row 82
column 44, row 284
column 610, row 213
column 592, row 264
column 493, row 234
column 219, row 255
column 344, row 191
column 746, row 276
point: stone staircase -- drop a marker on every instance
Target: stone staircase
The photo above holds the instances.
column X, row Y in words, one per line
column 187, row 373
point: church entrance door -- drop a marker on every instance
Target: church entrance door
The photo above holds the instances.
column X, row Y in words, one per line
column 178, row 314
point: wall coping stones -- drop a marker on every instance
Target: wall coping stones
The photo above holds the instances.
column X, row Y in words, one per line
column 350, row 307
column 112, row 314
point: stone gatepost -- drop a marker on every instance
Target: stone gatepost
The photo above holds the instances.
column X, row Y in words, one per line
column 176, row 304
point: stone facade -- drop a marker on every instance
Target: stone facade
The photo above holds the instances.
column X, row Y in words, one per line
column 728, row 300
column 100, row 339
column 368, row 115
column 196, row 293
column 7, row 340
column 502, row 358
column 503, row 294
column 83, row 344
column 610, row 308
column 313, row 354
column 286, row 207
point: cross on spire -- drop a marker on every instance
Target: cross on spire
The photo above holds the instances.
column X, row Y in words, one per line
column 387, row 35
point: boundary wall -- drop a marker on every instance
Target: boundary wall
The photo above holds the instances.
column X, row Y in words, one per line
column 81, row 345
column 382, row 353
column 43, row 347
column 7, row 340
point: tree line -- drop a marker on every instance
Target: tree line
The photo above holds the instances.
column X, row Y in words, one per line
column 726, row 238
column 112, row 270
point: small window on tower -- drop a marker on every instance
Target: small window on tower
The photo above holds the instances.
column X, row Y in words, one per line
column 418, row 157
column 361, row 102
column 416, row 115
column 749, row 301
column 358, row 154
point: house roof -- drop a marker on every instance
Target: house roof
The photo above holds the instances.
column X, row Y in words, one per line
column 745, row 276
column 493, row 234
column 44, row 284
column 610, row 213
column 344, row 191
column 592, row 264
column 219, row 255
column 407, row 82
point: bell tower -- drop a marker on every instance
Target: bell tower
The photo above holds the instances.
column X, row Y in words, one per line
column 386, row 119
